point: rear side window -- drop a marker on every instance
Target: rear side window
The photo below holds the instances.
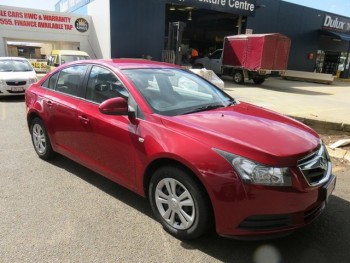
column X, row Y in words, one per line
column 50, row 83
column 69, row 80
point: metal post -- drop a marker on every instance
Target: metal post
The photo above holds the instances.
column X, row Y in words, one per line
column 180, row 28
column 239, row 25
column 346, row 67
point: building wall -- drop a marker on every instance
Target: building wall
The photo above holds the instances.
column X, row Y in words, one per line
column 100, row 35
column 301, row 24
column 137, row 28
column 67, row 36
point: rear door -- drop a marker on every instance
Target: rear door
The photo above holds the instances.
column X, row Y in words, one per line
column 61, row 102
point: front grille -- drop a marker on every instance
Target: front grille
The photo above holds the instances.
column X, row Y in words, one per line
column 316, row 167
column 266, row 222
column 16, row 83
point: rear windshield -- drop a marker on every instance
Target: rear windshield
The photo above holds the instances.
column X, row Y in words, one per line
column 15, row 65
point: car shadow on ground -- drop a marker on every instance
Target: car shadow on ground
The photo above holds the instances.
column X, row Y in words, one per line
column 111, row 188
column 326, row 240
column 12, row 99
column 294, row 90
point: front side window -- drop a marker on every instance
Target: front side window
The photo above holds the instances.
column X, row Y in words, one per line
column 69, row 79
column 175, row 91
column 216, row 54
column 103, row 85
column 52, row 60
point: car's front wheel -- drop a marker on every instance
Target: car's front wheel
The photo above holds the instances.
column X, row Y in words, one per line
column 179, row 203
column 238, row 77
column 40, row 139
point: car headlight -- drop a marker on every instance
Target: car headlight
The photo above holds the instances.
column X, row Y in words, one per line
column 256, row 173
column 31, row 81
column 2, row 82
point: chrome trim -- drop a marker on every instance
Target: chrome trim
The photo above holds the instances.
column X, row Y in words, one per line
column 316, row 160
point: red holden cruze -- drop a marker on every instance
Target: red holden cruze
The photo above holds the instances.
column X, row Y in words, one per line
column 202, row 158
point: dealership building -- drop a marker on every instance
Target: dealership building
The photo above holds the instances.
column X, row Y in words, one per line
column 167, row 29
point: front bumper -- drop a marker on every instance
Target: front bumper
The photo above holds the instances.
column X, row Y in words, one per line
column 269, row 211
column 6, row 90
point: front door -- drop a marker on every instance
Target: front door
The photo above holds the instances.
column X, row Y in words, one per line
column 106, row 141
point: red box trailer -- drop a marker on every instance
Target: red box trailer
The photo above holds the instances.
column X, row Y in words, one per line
column 255, row 56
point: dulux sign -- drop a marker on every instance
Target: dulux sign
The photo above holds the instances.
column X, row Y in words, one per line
column 335, row 23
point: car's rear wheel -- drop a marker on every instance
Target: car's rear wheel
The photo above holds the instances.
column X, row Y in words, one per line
column 40, row 139
column 179, row 203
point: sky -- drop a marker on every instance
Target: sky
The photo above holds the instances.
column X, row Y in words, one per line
column 340, row 7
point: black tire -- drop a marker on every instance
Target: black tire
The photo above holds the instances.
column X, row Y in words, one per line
column 238, row 77
column 40, row 139
column 196, row 209
column 258, row 80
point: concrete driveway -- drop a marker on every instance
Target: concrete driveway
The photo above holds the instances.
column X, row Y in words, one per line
column 305, row 100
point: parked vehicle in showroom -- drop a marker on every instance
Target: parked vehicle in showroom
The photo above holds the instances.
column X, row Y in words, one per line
column 16, row 74
column 202, row 158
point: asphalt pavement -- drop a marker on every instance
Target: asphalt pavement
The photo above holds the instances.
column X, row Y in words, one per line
column 59, row 211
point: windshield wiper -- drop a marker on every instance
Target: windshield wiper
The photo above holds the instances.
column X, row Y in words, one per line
column 204, row 108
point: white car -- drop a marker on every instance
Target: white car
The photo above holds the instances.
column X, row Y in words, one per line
column 16, row 75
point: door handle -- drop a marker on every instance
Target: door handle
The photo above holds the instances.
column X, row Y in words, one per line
column 84, row 120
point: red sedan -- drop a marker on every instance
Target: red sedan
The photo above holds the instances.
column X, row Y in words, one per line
column 202, row 158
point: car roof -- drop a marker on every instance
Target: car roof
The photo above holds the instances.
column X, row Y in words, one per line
column 127, row 63
column 12, row 58
column 69, row 52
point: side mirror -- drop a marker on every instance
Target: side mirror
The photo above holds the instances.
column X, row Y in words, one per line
column 115, row 106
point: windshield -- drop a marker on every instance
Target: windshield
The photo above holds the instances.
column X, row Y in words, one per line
column 174, row 92
column 70, row 58
column 15, row 65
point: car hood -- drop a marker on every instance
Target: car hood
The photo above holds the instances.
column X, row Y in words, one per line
column 22, row 75
column 250, row 131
